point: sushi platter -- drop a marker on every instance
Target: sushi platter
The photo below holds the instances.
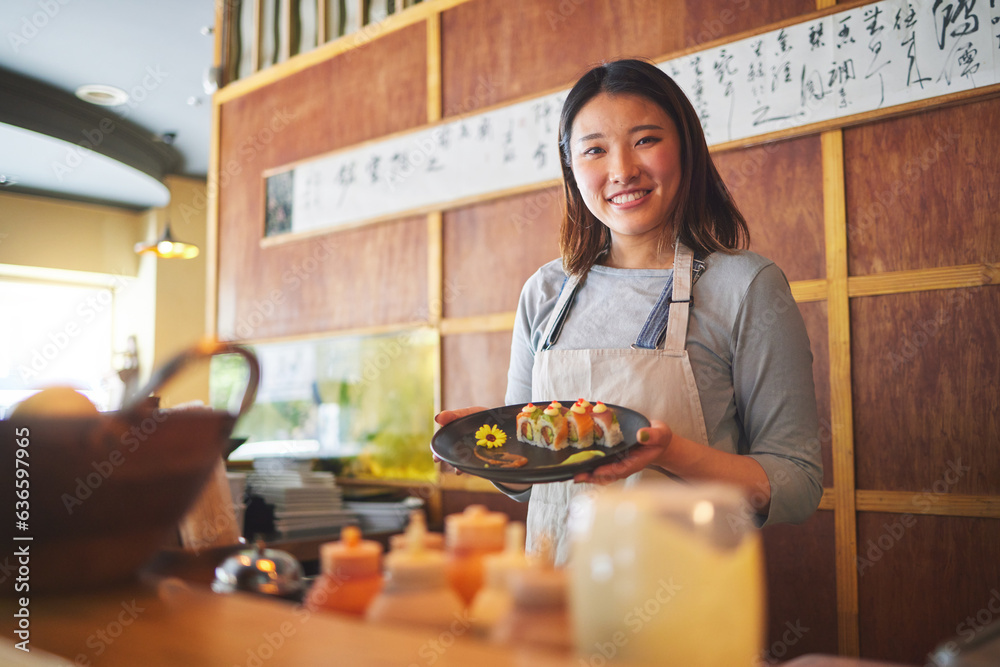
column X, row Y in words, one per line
column 456, row 444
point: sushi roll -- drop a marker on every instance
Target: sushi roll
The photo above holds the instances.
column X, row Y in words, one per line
column 580, row 425
column 607, row 431
column 553, row 431
column 527, row 424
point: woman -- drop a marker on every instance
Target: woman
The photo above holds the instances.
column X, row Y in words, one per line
column 655, row 308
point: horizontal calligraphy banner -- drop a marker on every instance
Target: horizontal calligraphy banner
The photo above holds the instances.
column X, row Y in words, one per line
column 863, row 59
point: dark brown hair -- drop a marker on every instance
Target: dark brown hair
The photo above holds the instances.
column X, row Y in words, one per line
column 703, row 216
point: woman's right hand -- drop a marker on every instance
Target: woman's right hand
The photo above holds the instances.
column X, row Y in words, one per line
column 445, row 417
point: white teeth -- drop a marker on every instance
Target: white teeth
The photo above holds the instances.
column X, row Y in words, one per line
column 632, row 196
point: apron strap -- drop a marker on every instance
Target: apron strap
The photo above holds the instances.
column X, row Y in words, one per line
column 652, row 331
column 563, row 303
column 677, row 325
column 659, row 324
column 676, row 293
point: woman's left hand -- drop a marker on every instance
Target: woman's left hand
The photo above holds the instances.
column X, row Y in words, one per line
column 653, row 443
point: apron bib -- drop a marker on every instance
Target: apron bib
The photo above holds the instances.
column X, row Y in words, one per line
column 657, row 382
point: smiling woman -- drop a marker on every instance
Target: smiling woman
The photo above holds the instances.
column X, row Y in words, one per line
column 655, row 307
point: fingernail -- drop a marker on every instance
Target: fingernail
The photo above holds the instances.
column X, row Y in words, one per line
column 643, row 436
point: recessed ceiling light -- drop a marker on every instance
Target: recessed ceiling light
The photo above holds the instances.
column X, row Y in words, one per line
column 105, row 96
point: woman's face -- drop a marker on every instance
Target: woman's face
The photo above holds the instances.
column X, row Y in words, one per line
column 626, row 159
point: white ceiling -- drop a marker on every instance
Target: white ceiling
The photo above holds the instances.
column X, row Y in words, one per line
column 156, row 50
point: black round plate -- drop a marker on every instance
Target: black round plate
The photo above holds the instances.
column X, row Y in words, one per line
column 455, row 444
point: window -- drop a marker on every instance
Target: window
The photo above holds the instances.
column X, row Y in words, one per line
column 56, row 334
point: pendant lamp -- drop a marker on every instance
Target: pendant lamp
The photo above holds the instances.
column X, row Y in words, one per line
column 168, row 248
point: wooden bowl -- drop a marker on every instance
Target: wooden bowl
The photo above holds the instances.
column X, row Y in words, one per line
column 102, row 494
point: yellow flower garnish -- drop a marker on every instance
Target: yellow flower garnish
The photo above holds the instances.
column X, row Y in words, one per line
column 490, row 436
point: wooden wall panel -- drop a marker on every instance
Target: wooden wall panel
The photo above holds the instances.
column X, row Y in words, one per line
column 923, row 580
column 784, row 212
column 801, row 589
column 474, row 369
column 921, row 190
column 815, row 316
column 498, row 51
column 709, row 21
column 919, row 194
column 374, row 90
column 925, row 372
column 490, row 249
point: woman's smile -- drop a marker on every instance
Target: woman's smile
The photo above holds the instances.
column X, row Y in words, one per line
column 626, row 198
column 626, row 162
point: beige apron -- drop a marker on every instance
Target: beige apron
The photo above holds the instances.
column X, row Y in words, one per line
column 658, row 383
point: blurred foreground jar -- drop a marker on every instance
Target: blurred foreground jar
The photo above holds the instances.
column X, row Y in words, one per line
column 538, row 613
column 666, row 572
column 351, row 574
column 494, row 600
column 470, row 536
column 416, row 591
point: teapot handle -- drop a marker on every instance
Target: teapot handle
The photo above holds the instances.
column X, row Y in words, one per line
column 203, row 350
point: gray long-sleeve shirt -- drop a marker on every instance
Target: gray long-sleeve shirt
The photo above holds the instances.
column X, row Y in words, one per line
column 748, row 348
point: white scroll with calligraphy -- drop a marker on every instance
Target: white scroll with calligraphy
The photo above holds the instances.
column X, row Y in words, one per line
column 863, row 59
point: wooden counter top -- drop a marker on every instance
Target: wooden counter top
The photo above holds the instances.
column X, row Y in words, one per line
column 187, row 625
column 175, row 623
column 172, row 619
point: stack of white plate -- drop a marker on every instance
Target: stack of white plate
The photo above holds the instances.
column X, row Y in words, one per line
column 384, row 516
column 237, row 491
column 305, row 502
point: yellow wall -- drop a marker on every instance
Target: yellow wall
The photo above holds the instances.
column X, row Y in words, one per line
column 180, row 289
column 160, row 302
column 42, row 232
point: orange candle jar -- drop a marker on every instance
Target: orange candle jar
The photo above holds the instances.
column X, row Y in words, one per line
column 469, row 537
column 351, row 574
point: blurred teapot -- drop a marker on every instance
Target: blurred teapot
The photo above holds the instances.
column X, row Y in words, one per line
column 666, row 572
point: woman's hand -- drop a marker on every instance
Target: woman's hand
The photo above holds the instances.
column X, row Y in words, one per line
column 688, row 460
column 446, row 417
column 654, row 441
